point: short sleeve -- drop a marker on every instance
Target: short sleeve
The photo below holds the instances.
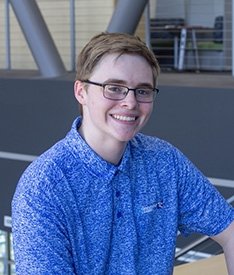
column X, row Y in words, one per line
column 202, row 209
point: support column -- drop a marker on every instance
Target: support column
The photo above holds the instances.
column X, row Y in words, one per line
column 38, row 38
column 126, row 16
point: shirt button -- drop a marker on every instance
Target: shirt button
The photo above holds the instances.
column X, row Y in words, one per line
column 119, row 214
column 117, row 194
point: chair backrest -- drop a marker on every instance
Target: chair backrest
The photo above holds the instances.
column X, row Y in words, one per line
column 218, row 29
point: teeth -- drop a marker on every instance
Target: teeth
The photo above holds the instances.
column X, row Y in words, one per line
column 124, row 118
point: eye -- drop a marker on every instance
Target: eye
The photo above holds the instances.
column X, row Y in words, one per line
column 115, row 89
column 144, row 92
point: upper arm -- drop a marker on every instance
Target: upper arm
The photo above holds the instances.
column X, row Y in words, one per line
column 226, row 240
column 40, row 239
column 226, row 237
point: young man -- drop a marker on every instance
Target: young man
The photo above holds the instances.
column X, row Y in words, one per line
column 107, row 199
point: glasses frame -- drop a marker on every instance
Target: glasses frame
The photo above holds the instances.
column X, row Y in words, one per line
column 103, row 85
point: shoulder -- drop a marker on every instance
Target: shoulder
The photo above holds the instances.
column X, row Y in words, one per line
column 150, row 144
column 46, row 171
column 160, row 153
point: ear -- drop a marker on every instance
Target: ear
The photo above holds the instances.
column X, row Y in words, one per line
column 80, row 92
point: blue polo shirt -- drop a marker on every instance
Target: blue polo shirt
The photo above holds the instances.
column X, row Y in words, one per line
column 75, row 213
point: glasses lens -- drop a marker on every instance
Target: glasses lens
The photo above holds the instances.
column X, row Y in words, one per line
column 115, row 92
column 145, row 95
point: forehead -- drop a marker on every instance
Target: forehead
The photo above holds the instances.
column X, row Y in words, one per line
column 128, row 67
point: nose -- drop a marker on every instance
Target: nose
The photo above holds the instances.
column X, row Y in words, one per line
column 129, row 101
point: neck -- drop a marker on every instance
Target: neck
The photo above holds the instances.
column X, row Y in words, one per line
column 110, row 150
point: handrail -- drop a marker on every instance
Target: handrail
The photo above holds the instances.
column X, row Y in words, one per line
column 191, row 246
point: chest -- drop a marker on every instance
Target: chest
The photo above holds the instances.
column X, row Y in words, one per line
column 149, row 200
column 126, row 216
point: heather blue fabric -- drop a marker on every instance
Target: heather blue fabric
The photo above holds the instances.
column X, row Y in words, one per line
column 75, row 213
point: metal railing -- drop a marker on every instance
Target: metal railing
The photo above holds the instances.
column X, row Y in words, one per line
column 199, row 43
column 210, row 59
column 7, row 266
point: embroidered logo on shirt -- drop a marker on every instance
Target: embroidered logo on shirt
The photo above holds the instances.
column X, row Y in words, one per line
column 152, row 207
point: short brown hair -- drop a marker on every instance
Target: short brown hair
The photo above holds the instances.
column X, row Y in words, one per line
column 107, row 43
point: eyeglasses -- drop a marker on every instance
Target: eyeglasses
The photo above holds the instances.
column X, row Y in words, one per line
column 119, row 92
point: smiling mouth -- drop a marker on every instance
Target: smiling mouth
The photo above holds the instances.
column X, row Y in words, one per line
column 124, row 118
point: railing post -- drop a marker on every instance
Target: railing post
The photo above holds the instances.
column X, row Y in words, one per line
column 7, row 33
column 233, row 38
column 73, row 35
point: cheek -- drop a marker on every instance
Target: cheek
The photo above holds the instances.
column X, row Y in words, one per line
column 93, row 101
column 100, row 106
column 147, row 109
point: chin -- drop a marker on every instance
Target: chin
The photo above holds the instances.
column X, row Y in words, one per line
column 126, row 138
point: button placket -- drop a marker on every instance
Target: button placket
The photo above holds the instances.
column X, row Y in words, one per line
column 118, row 208
column 117, row 194
column 117, row 199
column 120, row 195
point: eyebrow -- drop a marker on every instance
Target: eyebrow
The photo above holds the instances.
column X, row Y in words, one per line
column 123, row 82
